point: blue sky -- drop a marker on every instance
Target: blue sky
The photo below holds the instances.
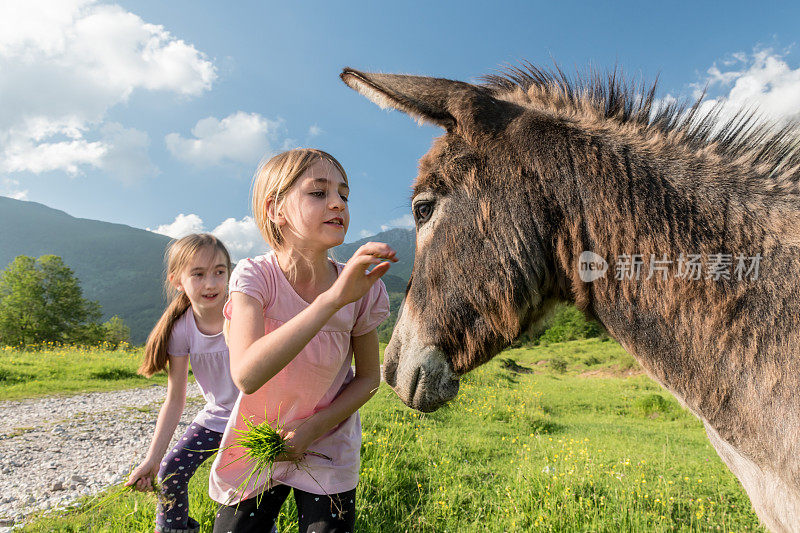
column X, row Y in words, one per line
column 140, row 111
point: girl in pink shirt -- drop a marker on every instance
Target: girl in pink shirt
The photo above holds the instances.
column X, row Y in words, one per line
column 296, row 320
column 190, row 329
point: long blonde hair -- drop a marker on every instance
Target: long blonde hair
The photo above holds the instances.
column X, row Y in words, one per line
column 276, row 176
column 178, row 257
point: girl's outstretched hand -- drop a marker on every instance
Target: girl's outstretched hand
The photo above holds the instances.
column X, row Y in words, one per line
column 354, row 281
column 142, row 476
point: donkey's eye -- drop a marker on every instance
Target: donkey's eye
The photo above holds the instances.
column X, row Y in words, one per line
column 422, row 211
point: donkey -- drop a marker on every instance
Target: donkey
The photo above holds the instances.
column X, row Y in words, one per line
column 537, row 171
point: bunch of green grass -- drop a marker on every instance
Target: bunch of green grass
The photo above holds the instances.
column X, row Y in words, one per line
column 263, row 444
column 155, row 486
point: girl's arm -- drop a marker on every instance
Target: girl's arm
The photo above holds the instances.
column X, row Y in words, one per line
column 354, row 395
column 256, row 358
column 168, row 418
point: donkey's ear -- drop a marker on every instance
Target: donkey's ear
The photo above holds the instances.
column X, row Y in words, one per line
column 432, row 100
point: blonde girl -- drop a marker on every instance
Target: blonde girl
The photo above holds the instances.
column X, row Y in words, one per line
column 297, row 321
column 198, row 269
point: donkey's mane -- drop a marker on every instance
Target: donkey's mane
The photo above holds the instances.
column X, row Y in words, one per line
column 746, row 136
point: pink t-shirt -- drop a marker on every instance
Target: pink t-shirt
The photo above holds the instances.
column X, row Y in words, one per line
column 310, row 382
column 208, row 355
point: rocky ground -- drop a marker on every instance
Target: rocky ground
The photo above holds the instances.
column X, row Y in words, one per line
column 55, row 450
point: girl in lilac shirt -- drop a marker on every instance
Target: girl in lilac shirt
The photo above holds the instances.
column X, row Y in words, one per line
column 190, row 329
column 296, row 322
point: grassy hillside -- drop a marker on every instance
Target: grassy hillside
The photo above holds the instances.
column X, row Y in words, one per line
column 67, row 370
column 119, row 266
column 587, row 444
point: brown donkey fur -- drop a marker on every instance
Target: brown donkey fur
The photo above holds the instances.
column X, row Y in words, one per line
column 534, row 169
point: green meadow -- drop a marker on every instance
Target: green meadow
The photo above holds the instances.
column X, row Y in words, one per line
column 69, row 370
column 564, row 437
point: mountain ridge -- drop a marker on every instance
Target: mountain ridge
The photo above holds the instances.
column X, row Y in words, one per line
column 122, row 267
column 118, row 265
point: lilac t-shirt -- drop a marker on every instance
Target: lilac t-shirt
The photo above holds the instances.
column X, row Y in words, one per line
column 208, row 355
column 310, row 382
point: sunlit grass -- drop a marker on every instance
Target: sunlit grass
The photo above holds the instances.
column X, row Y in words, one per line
column 69, row 370
column 573, row 450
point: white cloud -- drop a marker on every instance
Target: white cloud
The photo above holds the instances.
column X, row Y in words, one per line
column 65, row 63
column 315, row 130
column 762, row 80
column 241, row 237
column 23, row 155
column 289, row 144
column 240, row 137
column 405, row 221
column 364, row 233
column 10, row 188
column 182, row 225
column 122, row 152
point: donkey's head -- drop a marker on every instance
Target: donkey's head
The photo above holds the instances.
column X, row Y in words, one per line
column 480, row 275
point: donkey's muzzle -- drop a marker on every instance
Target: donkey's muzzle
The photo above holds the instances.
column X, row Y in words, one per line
column 422, row 379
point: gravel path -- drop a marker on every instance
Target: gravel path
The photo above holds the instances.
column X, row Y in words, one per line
column 54, row 450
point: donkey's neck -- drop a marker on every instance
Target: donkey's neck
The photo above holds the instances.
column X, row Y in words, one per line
column 704, row 339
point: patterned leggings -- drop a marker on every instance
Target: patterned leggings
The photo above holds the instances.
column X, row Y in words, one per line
column 195, row 446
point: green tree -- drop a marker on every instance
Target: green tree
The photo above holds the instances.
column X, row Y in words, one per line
column 41, row 301
column 116, row 332
column 569, row 323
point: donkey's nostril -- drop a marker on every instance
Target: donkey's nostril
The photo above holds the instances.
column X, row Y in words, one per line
column 414, row 386
column 391, row 360
column 390, row 372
